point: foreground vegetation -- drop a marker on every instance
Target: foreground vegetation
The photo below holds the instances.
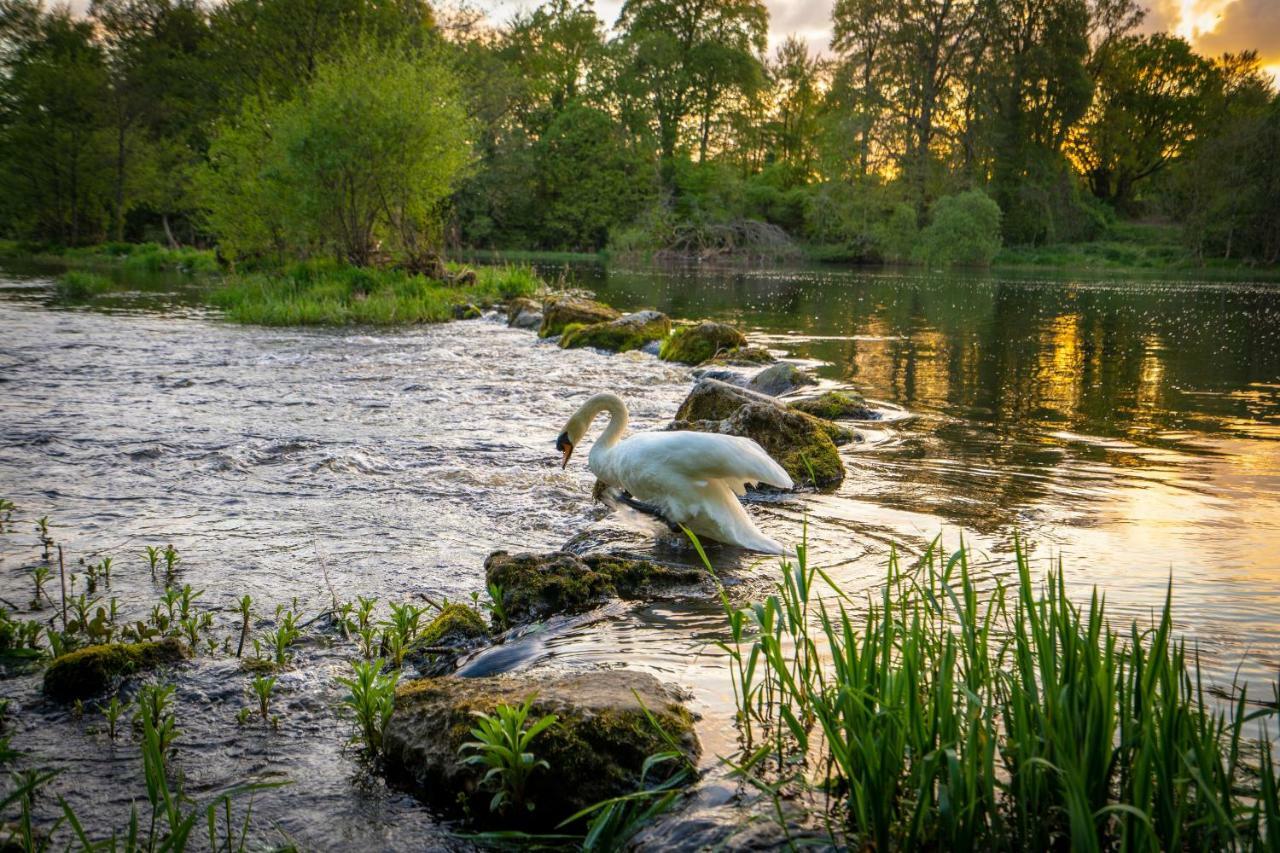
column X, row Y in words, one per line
column 936, row 716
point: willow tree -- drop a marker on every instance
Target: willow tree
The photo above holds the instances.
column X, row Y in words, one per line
column 360, row 161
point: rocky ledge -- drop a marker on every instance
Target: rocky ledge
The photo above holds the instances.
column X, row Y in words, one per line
column 595, row 750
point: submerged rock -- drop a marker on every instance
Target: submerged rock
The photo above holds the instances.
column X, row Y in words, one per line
column 563, row 309
column 696, row 344
column 92, row 670
column 837, row 405
column 742, row 357
column 628, row 332
column 535, row 586
column 594, row 751
column 796, row 441
column 780, row 379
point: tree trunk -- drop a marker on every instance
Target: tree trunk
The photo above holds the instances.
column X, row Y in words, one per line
column 117, row 224
column 168, row 232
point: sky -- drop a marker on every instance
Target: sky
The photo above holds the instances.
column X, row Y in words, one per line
column 1212, row 26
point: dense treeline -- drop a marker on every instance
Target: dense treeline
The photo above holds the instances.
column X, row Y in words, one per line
column 933, row 131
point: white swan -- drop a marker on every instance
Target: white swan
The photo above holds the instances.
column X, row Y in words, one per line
column 693, row 478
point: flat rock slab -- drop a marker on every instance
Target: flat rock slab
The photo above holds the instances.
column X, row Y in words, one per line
column 595, row 750
column 535, row 586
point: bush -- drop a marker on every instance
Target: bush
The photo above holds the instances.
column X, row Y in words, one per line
column 897, row 237
column 82, row 285
column 365, row 156
column 964, row 230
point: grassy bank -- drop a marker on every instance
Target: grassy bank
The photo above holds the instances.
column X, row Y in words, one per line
column 936, row 716
column 329, row 294
column 135, row 257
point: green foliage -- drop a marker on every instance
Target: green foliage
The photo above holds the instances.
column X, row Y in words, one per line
column 1007, row 720
column 363, row 157
column 77, row 285
column 964, row 230
column 501, row 744
column 898, row 236
column 370, row 700
column 327, row 293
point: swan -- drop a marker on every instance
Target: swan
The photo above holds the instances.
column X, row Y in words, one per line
column 693, row 478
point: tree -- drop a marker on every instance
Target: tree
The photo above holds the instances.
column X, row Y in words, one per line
column 795, row 79
column 590, row 180
column 361, row 159
column 552, row 50
column 1150, row 97
column 687, row 58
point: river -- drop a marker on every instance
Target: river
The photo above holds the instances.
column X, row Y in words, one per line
column 1130, row 428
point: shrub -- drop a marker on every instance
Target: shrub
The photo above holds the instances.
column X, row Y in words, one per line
column 964, row 229
column 898, row 235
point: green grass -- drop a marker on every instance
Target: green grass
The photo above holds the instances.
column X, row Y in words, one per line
column 934, row 716
column 83, row 285
column 329, row 294
column 135, row 257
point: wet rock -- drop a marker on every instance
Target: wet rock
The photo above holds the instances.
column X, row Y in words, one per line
column 837, row 405
column 535, row 586
column 456, row 630
column 779, row 379
column 522, row 305
column 467, row 311
column 594, row 751
column 743, row 357
column 628, row 332
column 563, row 309
column 92, row 670
column 796, row 441
column 696, row 344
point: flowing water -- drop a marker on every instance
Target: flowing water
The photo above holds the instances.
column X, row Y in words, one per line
column 1131, row 428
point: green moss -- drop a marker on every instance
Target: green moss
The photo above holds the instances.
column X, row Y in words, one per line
column 743, row 357
column 455, row 625
column 696, row 344
column 535, row 586
column 622, row 335
column 561, row 310
column 91, row 671
column 836, row 405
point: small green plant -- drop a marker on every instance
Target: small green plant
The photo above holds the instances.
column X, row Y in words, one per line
column 112, row 712
column 153, row 558
column 246, row 605
column 39, row 575
column 6, row 514
column 494, row 606
column 243, row 715
column 502, row 744
column 171, row 560
column 155, row 714
column 262, row 687
column 42, row 530
column 370, row 700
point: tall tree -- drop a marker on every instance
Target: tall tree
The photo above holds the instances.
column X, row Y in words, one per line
column 688, row 58
column 795, row 78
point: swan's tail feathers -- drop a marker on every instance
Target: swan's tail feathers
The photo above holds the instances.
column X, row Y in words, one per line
column 763, row 468
column 718, row 515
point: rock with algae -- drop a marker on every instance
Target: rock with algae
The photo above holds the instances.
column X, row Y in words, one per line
column 701, row 342
column 628, row 332
column 562, row 309
column 92, row 670
column 837, row 405
column 796, row 441
column 595, row 750
column 535, row 586
column 781, row 378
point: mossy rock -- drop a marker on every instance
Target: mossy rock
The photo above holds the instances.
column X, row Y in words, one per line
column 562, row 309
column 92, row 670
column 628, row 332
column 696, row 344
column 467, row 311
column 524, row 313
column 595, row 750
column 742, row 357
column 795, row 440
column 779, row 379
column 457, row 625
column 837, row 405
column 535, row 586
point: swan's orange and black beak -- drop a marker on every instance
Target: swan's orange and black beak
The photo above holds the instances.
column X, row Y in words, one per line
column 565, row 446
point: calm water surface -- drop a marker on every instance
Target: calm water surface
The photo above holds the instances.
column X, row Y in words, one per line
column 1130, row 428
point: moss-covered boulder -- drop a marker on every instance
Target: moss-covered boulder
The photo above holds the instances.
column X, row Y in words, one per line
column 795, row 440
column 92, row 670
column 742, row 357
column 561, row 309
column 696, row 344
column 628, row 332
column 456, row 630
column 594, row 751
column 837, row 406
column 781, row 378
column 467, row 311
column 535, row 586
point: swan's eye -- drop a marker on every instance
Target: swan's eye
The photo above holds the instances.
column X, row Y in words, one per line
column 563, row 442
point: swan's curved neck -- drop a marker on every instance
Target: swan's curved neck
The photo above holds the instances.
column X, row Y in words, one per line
column 605, row 402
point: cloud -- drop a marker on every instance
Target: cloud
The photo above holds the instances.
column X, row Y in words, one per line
column 1245, row 25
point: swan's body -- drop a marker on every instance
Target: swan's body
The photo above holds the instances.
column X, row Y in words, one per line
column 693, row 478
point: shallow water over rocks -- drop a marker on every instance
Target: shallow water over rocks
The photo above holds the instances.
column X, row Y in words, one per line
column 1130, row 427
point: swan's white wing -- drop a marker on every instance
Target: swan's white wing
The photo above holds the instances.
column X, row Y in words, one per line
column 697, row 456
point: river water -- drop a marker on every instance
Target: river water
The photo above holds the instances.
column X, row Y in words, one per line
column 1130, row 428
